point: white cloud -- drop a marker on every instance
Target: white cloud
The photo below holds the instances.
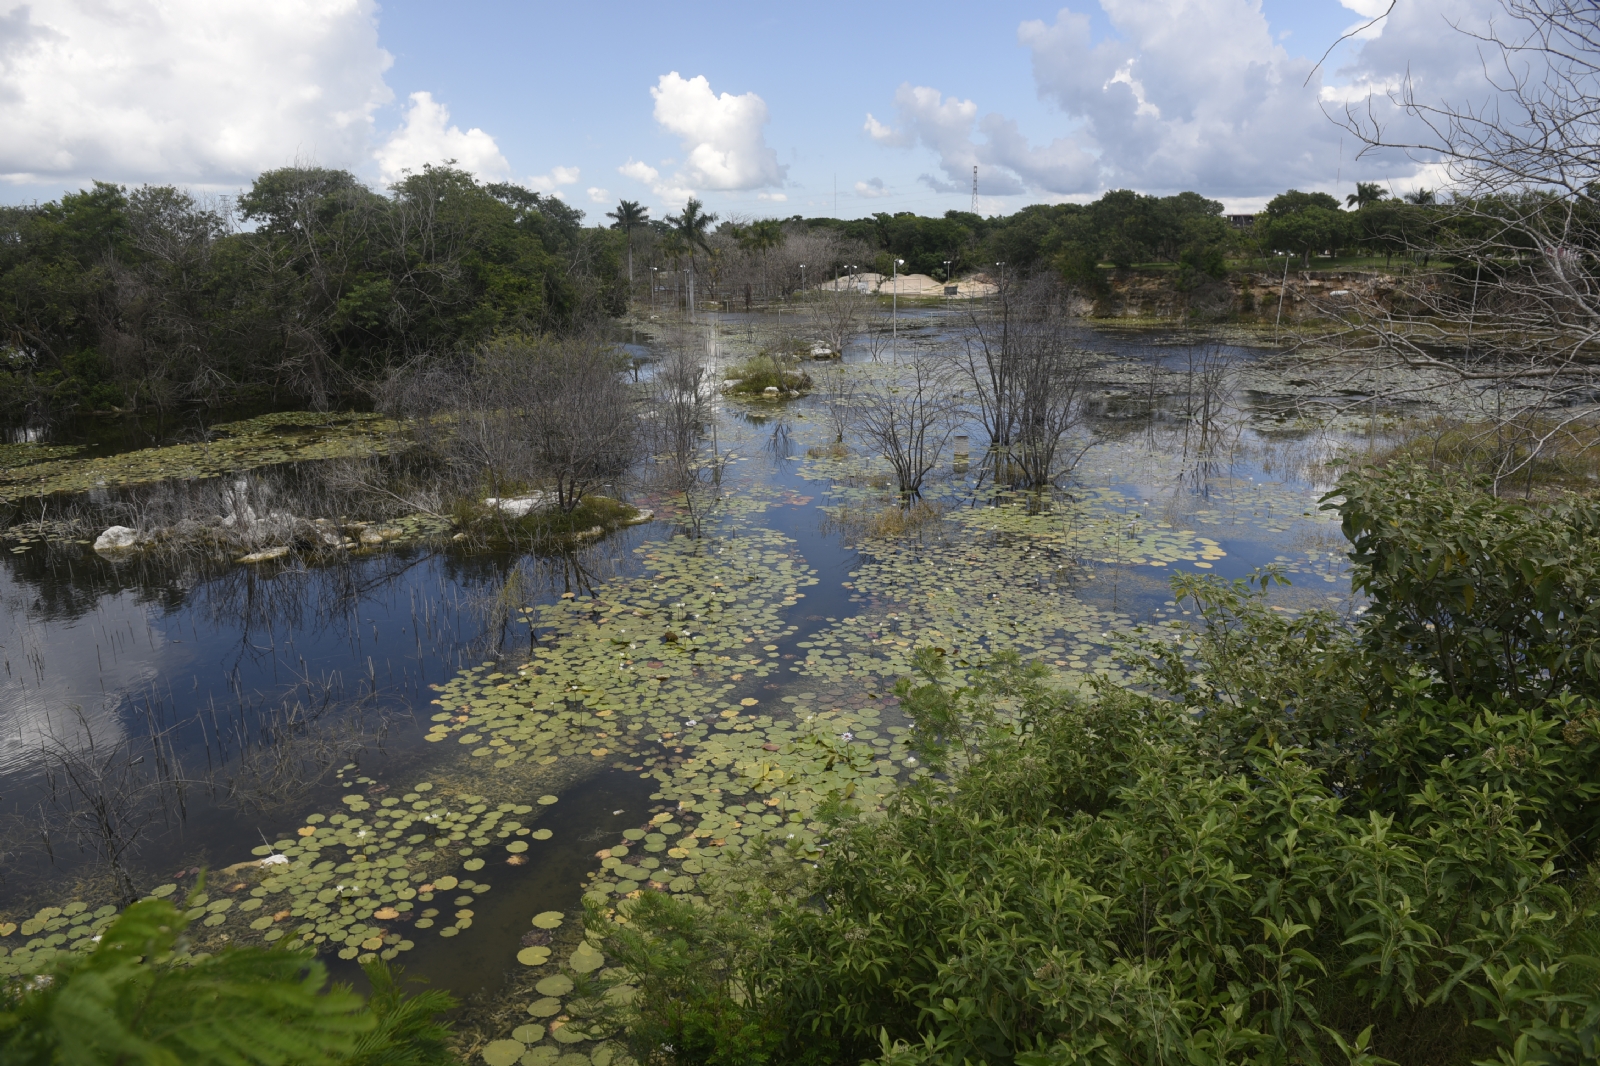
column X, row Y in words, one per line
column 774, row 197
column 1196, row 94
column 645, row 174
column 1007, row 164
column 724, row 145
column 208, row 92
column 871, row 188
column 426, row 137
column 598, row 195
column 551, row 183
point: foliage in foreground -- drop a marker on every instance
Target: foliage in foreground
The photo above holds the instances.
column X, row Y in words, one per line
column 138, row 999
column 1303, row 849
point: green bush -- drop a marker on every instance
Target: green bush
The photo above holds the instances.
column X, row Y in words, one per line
column 140, row 999
column 760, row 372
column 1271, row 851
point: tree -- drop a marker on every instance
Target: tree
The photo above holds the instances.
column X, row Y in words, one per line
column 1507, row 318
column 1028, row 380
column 1367, row 192
column 693, row 227
column 628, row 215
column 909, row 419
column 1306, row 223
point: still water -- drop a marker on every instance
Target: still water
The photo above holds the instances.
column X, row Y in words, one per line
column 345, row 660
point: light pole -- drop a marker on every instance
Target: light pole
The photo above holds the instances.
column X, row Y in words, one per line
column 1002, row 267
column 802, row 277
column 894, row 311
column 654, row 281
column 947, row 287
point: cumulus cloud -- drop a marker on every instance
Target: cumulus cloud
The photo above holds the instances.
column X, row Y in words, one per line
column 207, row 92
column 646, row 174
column 551, row 183
column 773, row 197
column 426, row 136
column 1007, row 163
column 872, row 187
column 598, row 195
column 1195, row 94
column 723, row 140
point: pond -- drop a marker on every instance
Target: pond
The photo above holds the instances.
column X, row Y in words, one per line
column 433, row 756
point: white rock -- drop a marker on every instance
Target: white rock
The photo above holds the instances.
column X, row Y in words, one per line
column 644, row 515
column 264, row 555
column 521, row 506
column 771, row 390
column 116, row 538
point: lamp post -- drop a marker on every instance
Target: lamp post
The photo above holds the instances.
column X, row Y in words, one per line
column 1002, row 267
column 802, row 277
column 654, row 281
column 947, row 287
column 894, row 311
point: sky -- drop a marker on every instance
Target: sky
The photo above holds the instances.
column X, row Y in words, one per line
column 758, row 110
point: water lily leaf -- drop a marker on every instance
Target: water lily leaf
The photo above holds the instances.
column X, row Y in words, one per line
column 503, row 1052
column 549, row 919
column 556, row 985
column 529, row 1033
column 549, row 1006
column 586, row 959
column 533, row 956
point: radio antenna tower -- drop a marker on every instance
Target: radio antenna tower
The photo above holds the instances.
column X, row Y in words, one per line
column 974, row 188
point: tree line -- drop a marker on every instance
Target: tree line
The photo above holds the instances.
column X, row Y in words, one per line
column 299, row 291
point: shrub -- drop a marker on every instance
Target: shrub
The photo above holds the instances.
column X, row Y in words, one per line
column 1292, row 843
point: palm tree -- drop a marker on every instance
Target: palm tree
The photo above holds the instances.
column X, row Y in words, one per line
column 1420, row 197
column 762, row 237
column 1367, row 192
column 628, row 215
column 692, row 225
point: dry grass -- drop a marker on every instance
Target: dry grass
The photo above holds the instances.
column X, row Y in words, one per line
column 1532, row 456
column 886, row 522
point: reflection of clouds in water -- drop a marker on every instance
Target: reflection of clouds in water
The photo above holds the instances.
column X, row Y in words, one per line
column 55, row 665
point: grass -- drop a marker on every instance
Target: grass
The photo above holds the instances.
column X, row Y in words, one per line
column 593, row 517
column 887, row 522
column 761, row 372
column 1532, row 456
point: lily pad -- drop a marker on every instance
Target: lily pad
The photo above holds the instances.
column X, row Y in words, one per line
column 549, row 1006
column 549, row 919
column 586, row 959
column 445, row 884
column 541, row 834
column 545, row 801
column 503, row 1052
column 528, row 1034
column 517, row 846
column 473, row 864
column 555, row 985
column 533, row 956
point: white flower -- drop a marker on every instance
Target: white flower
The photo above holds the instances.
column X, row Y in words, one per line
column 275, row 860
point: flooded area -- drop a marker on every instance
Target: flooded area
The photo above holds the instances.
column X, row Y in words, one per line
column 433, row 755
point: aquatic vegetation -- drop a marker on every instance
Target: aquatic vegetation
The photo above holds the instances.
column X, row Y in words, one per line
column 286, row 436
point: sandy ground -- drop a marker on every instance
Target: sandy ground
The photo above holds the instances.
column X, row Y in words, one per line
column 910, row 285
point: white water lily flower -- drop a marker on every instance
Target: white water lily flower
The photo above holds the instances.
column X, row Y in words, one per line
column 275, row 860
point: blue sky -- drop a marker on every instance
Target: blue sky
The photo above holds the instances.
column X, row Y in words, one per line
column 768, row 109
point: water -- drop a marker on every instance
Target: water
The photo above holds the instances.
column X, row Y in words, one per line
column 99, row 653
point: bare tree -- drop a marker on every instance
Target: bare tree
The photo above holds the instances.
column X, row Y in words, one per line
column 835, row 315
column 1027, row 379
column 910, row 419
column 104, row 796
column 1511, row 317
column 681, row 412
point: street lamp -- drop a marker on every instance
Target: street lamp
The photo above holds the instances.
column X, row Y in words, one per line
column 802, row 277
column 654, row 281
column 947, row 287
column 1002, row 267
column 894, row 312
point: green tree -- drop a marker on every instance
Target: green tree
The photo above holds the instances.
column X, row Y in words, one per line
column 1367, row 192
column 628, row 215
column 1305, row 223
